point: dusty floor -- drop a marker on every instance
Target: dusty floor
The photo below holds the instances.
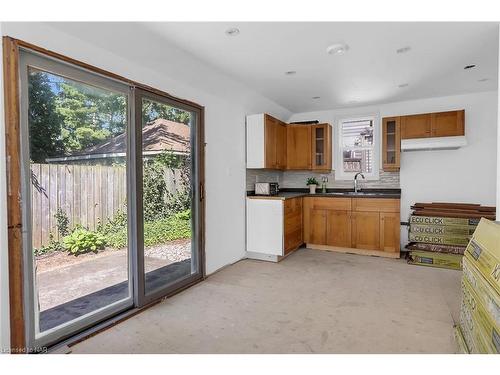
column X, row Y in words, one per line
column 311, row 302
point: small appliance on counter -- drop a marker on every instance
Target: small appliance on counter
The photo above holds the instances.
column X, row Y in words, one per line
column 266, row 188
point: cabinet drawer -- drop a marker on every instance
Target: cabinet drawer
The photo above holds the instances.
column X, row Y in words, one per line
column 342, row 204
column 375, row 204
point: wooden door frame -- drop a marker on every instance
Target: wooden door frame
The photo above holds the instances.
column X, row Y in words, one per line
column 12, row 95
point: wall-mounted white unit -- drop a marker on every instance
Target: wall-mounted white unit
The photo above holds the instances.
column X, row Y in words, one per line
column 433, row 143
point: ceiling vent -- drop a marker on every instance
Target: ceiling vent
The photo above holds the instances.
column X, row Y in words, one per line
column 433, row 143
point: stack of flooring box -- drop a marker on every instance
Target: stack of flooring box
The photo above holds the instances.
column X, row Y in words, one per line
column 439, row 232
column 479, row 328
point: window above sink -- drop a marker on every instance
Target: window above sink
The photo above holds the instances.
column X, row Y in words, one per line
column 357, row 148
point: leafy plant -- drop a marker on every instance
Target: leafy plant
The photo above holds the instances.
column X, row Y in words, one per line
column 82, row 241
column 62, row 222
column 311, row 181
column 50, row 247
column 183, row 215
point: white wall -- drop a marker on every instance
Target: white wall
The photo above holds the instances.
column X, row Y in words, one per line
column 4, row 269
column 167, row 68
column 463, row 175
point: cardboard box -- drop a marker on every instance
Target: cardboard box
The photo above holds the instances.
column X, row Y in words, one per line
column 440, row 260
column 483, row 252
column 436, row 220
column 485, row 333
column 442, row 240
column 443, row 230
column 459, row 337
column 487, row 296
column 470, row 332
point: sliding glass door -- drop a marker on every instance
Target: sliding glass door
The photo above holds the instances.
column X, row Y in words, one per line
column 111, row 197
column 168, row 204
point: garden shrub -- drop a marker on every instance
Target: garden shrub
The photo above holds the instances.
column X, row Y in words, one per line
column 183, row 215
column 82, row 241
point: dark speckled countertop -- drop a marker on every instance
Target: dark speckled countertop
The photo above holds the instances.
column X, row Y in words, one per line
column 346, row 193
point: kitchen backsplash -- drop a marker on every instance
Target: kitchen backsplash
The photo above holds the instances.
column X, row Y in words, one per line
column 297, row 179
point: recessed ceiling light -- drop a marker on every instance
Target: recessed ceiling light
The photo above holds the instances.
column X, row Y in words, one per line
column 483, row 79
column 337, row 49
column 403, row 85
column 290, row 73
column 469, row 66
column 316, row 97
column 403, row 49
column 233, row 31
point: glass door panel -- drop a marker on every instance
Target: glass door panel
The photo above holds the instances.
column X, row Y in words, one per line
column 74, row 141
column 169, row 195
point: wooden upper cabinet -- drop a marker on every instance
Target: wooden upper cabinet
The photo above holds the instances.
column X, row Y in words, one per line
column 416, row 126
column 391, row 143
column 321, row 147
column 440, row 124
column 270, row 127
column 274, row 143
column 447, row 124
column 298, row 147
column 281, row 145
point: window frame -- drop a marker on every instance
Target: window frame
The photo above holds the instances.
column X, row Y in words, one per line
column 340, row 174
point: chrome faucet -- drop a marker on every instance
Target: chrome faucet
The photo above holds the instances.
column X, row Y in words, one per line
column 356, row 181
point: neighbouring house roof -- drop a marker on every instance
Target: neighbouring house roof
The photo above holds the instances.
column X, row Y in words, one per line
column 157, row 136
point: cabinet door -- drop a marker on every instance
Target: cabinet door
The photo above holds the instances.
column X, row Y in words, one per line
column 270, row 133
column 416, row 126
column 293, row 224
column 447, row 124
column 281, row 145
column 321, row 145
column 338, row 232
column 317, row 226
column 391, row 143
column 389, row 231
column 366, row 230
column 298, row 147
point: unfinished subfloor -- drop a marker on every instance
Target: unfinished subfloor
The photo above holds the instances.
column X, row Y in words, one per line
column 311, row 302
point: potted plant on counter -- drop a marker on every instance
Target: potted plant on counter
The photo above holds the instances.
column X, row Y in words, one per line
column 312, row 183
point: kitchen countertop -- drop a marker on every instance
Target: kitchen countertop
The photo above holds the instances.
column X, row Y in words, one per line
column 342, row 193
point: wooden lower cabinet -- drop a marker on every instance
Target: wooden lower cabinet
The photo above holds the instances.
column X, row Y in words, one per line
column 338, row 230
column 292, row 224
column 317, row 226
column 366, row 230
column 370, row 225
column 389, row 231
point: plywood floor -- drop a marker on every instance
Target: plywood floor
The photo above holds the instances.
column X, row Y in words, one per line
column 311, row 302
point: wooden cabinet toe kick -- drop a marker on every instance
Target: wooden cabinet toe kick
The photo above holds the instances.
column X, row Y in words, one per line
column 348, row 250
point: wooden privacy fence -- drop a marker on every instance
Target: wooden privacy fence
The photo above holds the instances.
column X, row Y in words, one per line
column 88, row 194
